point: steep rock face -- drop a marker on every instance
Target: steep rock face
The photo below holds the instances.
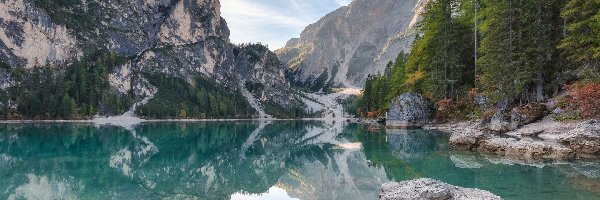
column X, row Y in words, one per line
column 356, row 40
column 29, row 38
column 257, row 66
column 193, row 21
column 179, row 38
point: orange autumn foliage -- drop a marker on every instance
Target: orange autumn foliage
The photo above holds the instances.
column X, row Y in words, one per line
column 585, row 99
column 373, row 114
column 456, row 110
column 444, row 107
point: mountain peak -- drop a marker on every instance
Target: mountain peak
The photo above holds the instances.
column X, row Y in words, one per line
column 348, row 44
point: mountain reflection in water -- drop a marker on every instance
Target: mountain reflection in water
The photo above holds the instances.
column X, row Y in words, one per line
column 256, row 160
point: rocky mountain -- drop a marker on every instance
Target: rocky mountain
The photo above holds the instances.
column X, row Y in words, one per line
column 348, row 44
column 185, row 39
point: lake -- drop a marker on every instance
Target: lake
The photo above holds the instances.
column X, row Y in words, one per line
column 258, row 160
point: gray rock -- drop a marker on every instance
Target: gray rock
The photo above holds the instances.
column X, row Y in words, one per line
column 506, row 119
column 476, row 140
column 527, row 114
column 466, row 138
column 498, row 122
column 408, row 110
column 430, row 189
column 540, row 141
column 481, row 101
column 523, row 149
column 584, row 139
column 531, row 133
column 558, row 111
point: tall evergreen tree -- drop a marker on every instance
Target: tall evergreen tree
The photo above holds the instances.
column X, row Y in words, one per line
column 439, row 65
column 581, row 44
column 517, row 46
column 498, row 60
column 397, row 78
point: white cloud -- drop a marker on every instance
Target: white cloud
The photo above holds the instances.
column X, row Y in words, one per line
column 249, row 12
column 272, row 22
column 343, row 2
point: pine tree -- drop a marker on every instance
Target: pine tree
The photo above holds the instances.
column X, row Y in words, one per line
column 498, row 60
column 439, row 63
column 582, row 42
column 68, row 108
column 367, row 94
column 396, row 83
column 517, row 47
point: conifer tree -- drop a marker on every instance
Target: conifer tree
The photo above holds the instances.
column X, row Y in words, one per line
column 498, row 60
column 439, row 63
column 517, row 46
column 582, row 42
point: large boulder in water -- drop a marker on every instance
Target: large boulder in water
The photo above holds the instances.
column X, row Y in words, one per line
column 430, row 189
column 408, row 110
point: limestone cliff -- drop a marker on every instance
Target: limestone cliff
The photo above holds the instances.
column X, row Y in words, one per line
column 352, row 42
column 179, row 38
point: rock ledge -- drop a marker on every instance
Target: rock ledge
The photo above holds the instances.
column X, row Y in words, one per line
column 544, row 140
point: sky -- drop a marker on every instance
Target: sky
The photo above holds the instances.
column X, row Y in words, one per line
column 273, row 22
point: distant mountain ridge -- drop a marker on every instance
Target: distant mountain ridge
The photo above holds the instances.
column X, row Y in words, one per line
column 348, row 44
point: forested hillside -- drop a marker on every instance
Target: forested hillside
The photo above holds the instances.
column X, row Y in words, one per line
column 78, row 90
column 473, row 52
column 82, row 59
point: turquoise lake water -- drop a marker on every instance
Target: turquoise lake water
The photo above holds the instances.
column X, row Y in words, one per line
column 258, row 160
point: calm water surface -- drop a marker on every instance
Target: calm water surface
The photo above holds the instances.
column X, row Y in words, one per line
column 257, row 160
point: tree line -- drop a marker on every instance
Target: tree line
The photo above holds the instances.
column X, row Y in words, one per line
column 200, row 99
column 507, row 51
column 78, row 90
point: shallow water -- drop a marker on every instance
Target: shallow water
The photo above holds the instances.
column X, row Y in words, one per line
column 257, row 160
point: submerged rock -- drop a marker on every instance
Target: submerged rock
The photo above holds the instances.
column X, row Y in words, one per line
column 465, row 161
column 466, row 139
column 408, row 110
column 430, row 189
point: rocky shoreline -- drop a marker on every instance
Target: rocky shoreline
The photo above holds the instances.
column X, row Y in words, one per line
column 430, row 189
column 546, row 139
